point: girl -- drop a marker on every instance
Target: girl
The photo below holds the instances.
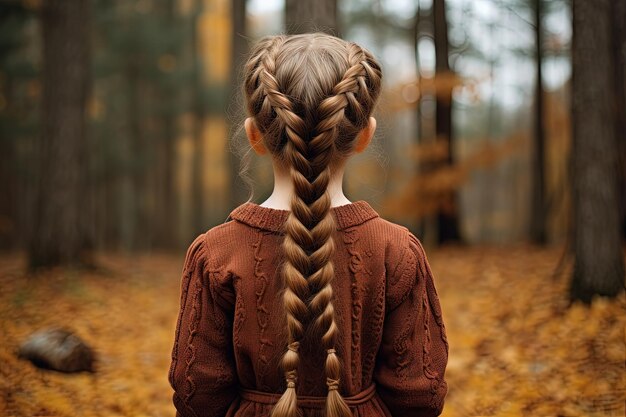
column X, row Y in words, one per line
column 308, row 304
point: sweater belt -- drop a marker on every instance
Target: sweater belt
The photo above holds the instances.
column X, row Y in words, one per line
column 306, row 401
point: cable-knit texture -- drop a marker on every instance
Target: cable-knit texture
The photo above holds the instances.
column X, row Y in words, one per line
column 351, row 236
column 240, row 314
column 262, row 313
column 230, row 330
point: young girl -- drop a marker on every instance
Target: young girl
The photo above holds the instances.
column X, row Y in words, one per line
column 309, row 304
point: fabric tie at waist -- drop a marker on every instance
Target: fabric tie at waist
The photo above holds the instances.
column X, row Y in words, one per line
column 306, row 401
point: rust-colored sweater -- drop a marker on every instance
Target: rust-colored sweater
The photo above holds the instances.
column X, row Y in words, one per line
column 231, row 329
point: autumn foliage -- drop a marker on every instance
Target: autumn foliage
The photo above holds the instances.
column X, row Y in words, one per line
column 516, row 348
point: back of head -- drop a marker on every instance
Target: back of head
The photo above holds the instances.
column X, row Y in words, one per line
column 309, row 96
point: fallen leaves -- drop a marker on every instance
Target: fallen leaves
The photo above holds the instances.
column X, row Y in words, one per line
column 127, row 314
column 516, row 349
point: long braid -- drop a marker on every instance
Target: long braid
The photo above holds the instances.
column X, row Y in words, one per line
column 297, row 263
column 332, row 113
column 333, row 120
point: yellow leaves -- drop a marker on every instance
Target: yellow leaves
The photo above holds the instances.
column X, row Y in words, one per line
column 404, row 96
column 577, row 313
column 57, row 403
column 615, row 352
column 128, row 316
column 429, row 191
column 510, row 355
column 515, row 348
column 510, row 410
column 519, row 350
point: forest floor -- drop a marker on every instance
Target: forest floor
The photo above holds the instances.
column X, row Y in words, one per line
column 516, row 348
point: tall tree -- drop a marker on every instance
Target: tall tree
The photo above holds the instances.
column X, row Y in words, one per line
column 538, row 206
column 135, row 191
column 13, row 19
column 447, row 218
column 237, row 59
column 143, row 80
column 199, row 112
column 415, row 35
column 619, row 55
column 60, row 233
column 165, row 147
column 599, row 263
column 303, row 16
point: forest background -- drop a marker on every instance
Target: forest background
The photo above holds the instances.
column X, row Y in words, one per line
column 500, row 144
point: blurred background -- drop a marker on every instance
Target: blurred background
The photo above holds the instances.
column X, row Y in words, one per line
column 500, row 145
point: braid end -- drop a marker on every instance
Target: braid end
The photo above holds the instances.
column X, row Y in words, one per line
column 287, row 405
column 335, row 405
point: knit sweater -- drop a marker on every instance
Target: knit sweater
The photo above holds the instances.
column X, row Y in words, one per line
column 231, row 331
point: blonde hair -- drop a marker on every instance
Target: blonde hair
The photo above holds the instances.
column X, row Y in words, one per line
column 310, row 95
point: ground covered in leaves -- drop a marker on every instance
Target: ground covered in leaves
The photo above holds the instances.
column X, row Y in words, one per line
column 516, row 348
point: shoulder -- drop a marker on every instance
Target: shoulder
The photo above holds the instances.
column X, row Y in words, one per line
column 405, row 258
column 397, row 241
column 206, row 262
column 216, row 246
column 196, row 254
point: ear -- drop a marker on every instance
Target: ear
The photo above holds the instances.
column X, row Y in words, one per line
column 254, row 137
column 365, row 136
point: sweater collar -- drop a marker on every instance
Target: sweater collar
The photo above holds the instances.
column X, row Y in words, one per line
column 273, row 219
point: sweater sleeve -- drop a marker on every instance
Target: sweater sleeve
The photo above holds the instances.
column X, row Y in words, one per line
column 414, row 350
column 202, row 372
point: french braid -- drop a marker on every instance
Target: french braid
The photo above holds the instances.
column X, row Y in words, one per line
column 307, row 132
column 332, row 112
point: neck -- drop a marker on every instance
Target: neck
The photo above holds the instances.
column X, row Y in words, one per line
column 283, row 189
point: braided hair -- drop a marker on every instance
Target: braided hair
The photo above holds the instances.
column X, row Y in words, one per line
column 309, row 96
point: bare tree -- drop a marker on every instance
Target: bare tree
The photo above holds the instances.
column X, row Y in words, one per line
column 237, row 59
column 447, row 218
column 599, row 263
column 165, row 210
column 619, row 56
column 538, row 206
column 60, row 234
column 198, row 110
column 302, row 16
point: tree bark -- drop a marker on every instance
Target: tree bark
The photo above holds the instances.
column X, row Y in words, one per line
column 599, row 263
column 60, row 235
column 538, row 206
column 239, row 51
column 619, row 56
column 134, row 185
column 303, row 16
column 198, row 121
column 165, row 210
column 420, row 222
column 447, row 218
column 8, row 182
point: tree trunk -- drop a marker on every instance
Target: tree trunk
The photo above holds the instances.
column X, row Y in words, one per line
column 198, row 110
column 619, row 57
column 134, row 190
column 447, row 218
column 8, row 182
column 239, row 51
column 420, row 222
column 538, row 207
column 60, row 235
column 303, row 16
column 599, row 263
column 165, row 210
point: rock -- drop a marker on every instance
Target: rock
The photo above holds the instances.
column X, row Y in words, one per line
column 58, row 349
